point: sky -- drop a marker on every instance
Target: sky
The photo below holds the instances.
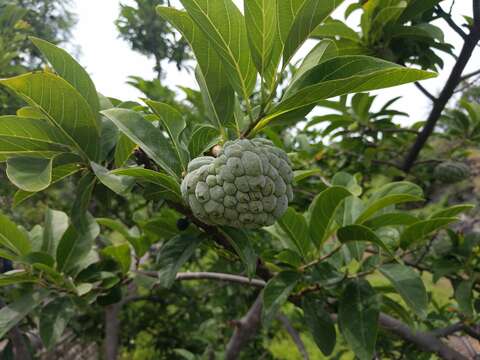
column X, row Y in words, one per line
column 110, row 61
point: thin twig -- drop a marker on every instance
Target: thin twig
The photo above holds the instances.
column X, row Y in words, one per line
column 448, row 19
column 294, row 335
column 425, row 91
column 323, row 258
column 469, row 75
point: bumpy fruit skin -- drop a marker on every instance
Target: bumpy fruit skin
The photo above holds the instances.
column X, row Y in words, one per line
column 248, row 185
column 450, row 172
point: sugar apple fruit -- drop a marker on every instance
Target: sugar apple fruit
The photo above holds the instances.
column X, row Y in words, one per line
column 248, row 185
column 450, row 172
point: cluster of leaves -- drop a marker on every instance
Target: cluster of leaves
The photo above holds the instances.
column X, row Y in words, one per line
column 320, row 256
column 400, row 31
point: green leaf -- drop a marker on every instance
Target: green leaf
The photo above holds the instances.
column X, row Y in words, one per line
column 121, row 254
column 322, row 212
column 16, row 277
column 12, row 237
column 58, row 173
column 147, row 136
column 332, row 28
column 299, row 175
column 56, row 223
column 119, row 184
column 166, row 183
column 223, row 24
column 464, row 296
column 243, row 247
column 390, row 219
column 54, row 319
column 452, row 211
column 123, row 150
column 23, row 135
column 174, row 124
column 319, row 323
column 139, row 243
column 348, row 181
column 342, row 75
column 358, row 315
column 82, row 200
column 75, row 246
column 409, row 285
column 390, row 194
column 261, row 22
column 310, row 15
column 296, row 227
column 414, row 233
column 30, row 173
column 173, row 254
column 64, row 107
column 13, row 313
column 217, row 93
column 360, row 233
column 69, row 69
column 323, row 51
column 202, row 139
column 276, row 293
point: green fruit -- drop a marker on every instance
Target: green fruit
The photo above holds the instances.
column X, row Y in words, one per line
column 450, row 172
column 248, row 185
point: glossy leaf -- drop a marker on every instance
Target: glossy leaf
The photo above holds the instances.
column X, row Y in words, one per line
column 276, row 293
column 75, row 246
column 123, row 150
column 261, row 22
column 360, row 233
column 14, row 312
column 342, row 75
column 64, row 107
column 12, row 237
column 30, row 173
column 223, row 24
column 409, row 285
column 310, row 15
column 217, row 93
column 167, row 183
column 416, row 232
column 69, row 69
column 358, row 318
column 58, row 173
column 390, row 219
column 54, row 319
column 121, row 254
column 322, row 212
column 296, row 227
column 119, row 184
column 202, row 139
column 147, row 136
column 174, row 123
column 16, row 277
column 320, row 324
column 173, row 254
column 452, row 211
column 464, row 296
column 56, row 223
column 139, row 243
column 244, row 248
column 80, row 205
column 332, row 28
column 20, row 135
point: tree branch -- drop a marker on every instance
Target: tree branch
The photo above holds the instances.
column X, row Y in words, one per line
column 212, row 276
column 424, row 91
column 448, row 19
column 294, row 335
column 469, row 75
column 424, row 341
column 439, row 105
column 246, row 327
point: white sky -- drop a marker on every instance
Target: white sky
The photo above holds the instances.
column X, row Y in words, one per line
column 110, row 60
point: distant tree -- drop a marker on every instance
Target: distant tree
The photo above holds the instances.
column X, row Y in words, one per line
column 149, row 34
